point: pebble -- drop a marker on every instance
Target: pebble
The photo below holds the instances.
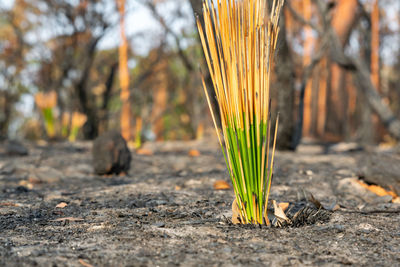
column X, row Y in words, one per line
column 383, row 199
column 337, row 227
column 15, row 148
column 159, row 224
column 6, row 168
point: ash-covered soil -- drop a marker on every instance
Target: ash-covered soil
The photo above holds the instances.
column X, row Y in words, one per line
column 165, row 212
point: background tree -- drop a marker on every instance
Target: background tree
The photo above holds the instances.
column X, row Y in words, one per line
column 14, row 48
column 325, row 51
column 124, row 75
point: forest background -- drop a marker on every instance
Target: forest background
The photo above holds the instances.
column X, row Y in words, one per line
column 135, row 65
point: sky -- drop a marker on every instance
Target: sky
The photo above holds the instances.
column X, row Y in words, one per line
column 138, row 20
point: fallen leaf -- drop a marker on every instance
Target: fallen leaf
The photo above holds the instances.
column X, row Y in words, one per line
column 177, row 187
column 279, row 214
column 144, row 152
column 332, row 207
column 34, row 180
column 42, row 143
column 71, row 219
column 396, row 200
column 8, row 204
column 221, row 185
column 84, row 263
column 61, row 205
column 377, row 190
column 194, row 153
column 284, row 205
column 26, row 184
column 235, row 212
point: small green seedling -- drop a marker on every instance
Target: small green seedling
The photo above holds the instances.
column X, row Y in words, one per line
column 46, row 102
column 78, row 120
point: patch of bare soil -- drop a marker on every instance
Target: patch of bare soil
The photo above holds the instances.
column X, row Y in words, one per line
column 55, row 212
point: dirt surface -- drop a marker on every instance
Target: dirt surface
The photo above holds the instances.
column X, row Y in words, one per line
column 165, row 212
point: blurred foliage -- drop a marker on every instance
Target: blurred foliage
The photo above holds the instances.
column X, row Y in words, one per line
column 57, row 46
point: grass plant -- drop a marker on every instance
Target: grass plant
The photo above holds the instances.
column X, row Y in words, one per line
column 46, row 102
column 65, row 123
column 138, row 135
column 78, row 120
column 239, row 39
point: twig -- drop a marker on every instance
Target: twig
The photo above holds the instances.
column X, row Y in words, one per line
column 302, row 20
column 368, row 212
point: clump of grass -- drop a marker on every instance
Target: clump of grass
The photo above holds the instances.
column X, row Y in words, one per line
column 239, row 41
column 78, row 120
column 138, row 136
column 65, row 123
column 46, row 102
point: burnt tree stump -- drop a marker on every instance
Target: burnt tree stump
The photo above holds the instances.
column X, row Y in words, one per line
column 111, row 154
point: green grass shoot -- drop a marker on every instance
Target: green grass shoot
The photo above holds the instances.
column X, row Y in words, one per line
column 46, row 102
column 77, row 122
column 239, row 41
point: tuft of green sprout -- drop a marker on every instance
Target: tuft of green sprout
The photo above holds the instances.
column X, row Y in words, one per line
column 46, row 102
column 239, row 41
column 78, row 120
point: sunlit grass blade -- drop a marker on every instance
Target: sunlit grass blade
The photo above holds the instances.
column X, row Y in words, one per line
column 78, row 120
column 46, row 102
column 239, row 41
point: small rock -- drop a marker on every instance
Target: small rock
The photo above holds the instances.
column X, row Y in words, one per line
column 309, row 172
column 227, row 250
column 345, row 147
column 345, row 172
column 366, row 228
column 80, row 170
column 111, row 154
column 15, row 148
column 47, row 174
column 383, row 199
column 6, row 169
column 159, row 224
column 21, row 189
column 352, row 187
column 339, row 227
column 381, row 169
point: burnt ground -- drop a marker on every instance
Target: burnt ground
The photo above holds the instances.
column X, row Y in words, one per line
column 165, row 211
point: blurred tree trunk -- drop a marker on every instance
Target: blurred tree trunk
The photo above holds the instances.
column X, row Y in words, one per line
column 106, row 97
column 307, row 51
column 351, row 124
column 322, row 94
column 375, row 76
column 285, row 87
column 345, row 16
column 7, row 101
column 92, row 124
column 124, row 76
column 375, row 45
column 160, row 98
